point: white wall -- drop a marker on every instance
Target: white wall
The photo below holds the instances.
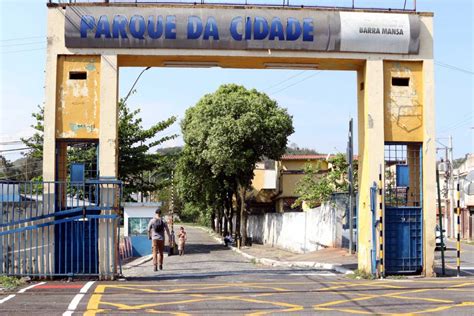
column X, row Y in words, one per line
column 138, row 210
column 300, row 231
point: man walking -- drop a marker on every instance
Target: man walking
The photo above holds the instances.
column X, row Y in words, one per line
column 156, row 232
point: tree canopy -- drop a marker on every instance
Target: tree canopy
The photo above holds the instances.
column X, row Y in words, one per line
column 142, row 167
column 225, row 134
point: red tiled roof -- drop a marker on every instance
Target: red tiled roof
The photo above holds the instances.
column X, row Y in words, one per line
column 304, row 157
column 309, row 157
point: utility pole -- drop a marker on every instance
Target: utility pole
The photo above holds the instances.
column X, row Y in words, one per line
column 350, row 156
column 172, row 200
column 451, row 183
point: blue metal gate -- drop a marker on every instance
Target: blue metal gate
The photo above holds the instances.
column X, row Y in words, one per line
column 403, row 218
column 403, row 240
column 54, row 228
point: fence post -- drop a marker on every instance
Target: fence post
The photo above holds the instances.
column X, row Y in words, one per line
column 381, row 253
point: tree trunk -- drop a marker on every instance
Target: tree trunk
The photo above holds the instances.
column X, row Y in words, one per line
column 243, row 215
column 237, row 216
column 213, row 220
column 219, row 221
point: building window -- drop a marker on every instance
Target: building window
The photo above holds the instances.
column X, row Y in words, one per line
column 400, row 82
column 137, row 226
column 77, row 75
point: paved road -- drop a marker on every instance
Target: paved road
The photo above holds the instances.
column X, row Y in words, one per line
column 212, row 280
column 467, row 259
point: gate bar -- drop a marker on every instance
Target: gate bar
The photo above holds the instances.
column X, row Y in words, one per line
column 458, row 244
column 382, row 270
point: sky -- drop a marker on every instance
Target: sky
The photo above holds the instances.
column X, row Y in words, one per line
column 321, row 102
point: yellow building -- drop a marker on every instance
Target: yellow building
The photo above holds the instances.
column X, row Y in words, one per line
column 274, row 182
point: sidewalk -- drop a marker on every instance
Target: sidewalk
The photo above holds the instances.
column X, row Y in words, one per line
column 330, row 258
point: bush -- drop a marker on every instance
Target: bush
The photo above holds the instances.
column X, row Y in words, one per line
column 10, row 283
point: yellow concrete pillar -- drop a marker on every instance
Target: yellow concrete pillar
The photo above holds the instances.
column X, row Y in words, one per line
column 371, row 149
column 429, row 167
column 108, row 157
column 108, row 134
column 49, row 138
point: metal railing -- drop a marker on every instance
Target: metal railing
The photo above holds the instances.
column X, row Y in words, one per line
column 59, row 228
column 409, row 5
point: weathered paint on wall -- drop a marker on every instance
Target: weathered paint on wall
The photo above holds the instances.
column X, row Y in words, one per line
column 403, row 105
column 77, row 103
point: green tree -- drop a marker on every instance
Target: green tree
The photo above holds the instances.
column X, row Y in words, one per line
column 136, row 159
column 316, row 187
column 35, row 142
column 141, row 169
column 7, row 170
column 229, row 131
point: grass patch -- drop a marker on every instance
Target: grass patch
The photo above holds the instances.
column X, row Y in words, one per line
column 253, row 260
column 360, row 274
column 10, row 283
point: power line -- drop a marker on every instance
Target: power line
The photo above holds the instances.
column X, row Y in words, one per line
column 23, row 44
column 283, row 81
column 20, row 51
column 11, row 142
column 297, row 82
column 448, row 66
column 14, row 149
column 21, row 38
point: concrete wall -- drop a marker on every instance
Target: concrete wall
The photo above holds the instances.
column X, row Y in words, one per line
column 301, row 231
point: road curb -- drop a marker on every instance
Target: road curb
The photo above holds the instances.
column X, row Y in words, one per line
column 138, row 262
column 277, row 263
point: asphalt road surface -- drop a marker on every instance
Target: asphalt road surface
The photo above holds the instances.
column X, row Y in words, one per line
column 212, row 280
column 450, row 255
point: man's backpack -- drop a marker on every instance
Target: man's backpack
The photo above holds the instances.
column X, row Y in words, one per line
column 159, row 226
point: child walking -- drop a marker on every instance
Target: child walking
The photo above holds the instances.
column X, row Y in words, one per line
column 181, row 240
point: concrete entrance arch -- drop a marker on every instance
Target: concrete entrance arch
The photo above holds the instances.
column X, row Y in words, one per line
column 392, row 53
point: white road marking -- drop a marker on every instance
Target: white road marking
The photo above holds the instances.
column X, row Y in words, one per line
column 9, row 297
column 86, row 287
column 30, row 287
column 77, row 299
column 3, row 300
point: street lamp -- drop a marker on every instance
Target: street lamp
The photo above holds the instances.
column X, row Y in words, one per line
column 133, row 86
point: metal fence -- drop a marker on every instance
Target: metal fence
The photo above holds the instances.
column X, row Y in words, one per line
column 59, row 228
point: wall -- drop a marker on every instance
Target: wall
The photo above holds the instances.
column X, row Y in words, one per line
column 140, row 244
column 301, row 231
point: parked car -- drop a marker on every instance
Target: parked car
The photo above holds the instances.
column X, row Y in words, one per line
column 438, row 238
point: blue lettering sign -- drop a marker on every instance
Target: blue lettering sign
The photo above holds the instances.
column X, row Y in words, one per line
column 211, row 29
column 103, row 27
column 276, row 30
column 248, row 28
column 170, row 27
column 194, row 27
column 234, row 25
column 308, row 29
column 293, row 29
column 119, row 26
column 137, row 26
column 155, row 29
column 260, row 28
column 87, row 23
